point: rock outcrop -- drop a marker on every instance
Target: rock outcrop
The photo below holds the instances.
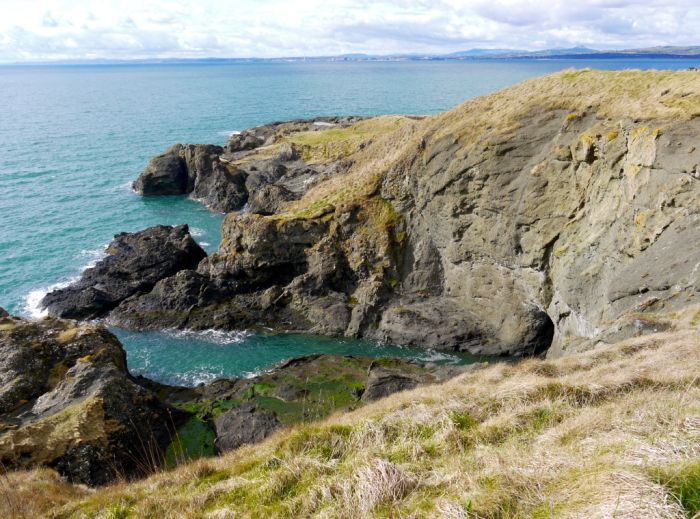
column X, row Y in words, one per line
column 135, row 262
column 225, row 179
column 68, row 402
column 534, row 217
column 300, row 390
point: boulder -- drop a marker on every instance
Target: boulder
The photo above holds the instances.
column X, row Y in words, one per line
column 135, row 262
column 69, row 403
column 243, row 425
column 3, row 313
column 166, row 174
column 384, row 380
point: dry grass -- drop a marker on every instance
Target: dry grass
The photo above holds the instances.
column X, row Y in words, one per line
column 600, row 434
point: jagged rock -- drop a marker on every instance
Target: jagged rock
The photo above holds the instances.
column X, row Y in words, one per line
column 68, row 402
column 3, row 313
column 270, row 199
column 135, row 262
column 166, row 174
column 504, row 230
column 245, row 424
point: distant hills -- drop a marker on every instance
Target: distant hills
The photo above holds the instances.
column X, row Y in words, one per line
column 659, row 52
column 567, row 53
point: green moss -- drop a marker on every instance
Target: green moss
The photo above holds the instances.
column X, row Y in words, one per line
column 193, row 440
column 683, row 481
column 353, row 301
column 260, row 389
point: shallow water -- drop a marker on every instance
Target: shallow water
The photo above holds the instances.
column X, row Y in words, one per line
column 72, row 138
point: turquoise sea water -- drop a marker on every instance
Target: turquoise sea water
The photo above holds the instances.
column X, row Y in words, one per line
column 72, row 138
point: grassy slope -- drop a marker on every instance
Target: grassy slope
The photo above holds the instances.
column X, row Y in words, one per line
column 614, row 432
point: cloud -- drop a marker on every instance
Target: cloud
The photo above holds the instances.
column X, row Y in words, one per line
column 74, row 29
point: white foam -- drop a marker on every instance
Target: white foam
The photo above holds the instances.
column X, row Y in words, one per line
column 229, row 133
column 221, row 337
column 95, row 255
column 323, row 123
column 437, row 356
column 32, row 301
column 204, row 243
column 197, row 232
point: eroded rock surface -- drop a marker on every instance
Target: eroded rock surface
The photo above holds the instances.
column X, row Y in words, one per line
column 521, row 222
column 68, row 402
column 226, row 179
column 135, row 262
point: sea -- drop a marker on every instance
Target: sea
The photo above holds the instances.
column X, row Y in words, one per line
column 74, row 137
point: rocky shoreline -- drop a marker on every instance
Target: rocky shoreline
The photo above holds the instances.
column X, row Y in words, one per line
column 536, row 235
column 68, row 402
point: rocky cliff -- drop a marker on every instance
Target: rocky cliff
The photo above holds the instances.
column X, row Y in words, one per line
column 68, row 402
column 553, row 214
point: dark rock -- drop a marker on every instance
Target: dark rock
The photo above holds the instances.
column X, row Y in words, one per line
column 270, row 199
column 135, row 262
column 3, row 313
column 221, row 189
column 243, row 425
column 383, row 381
column 166, row 174
column 69, row 403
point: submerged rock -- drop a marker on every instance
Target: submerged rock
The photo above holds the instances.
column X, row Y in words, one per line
column 135, row 262
column 68, row 402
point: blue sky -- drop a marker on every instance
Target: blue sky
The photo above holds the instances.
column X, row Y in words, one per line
column 33, row 30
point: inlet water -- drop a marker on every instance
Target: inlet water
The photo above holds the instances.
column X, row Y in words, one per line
column 72, row 138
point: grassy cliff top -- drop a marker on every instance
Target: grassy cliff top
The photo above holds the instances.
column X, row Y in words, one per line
column 610, row 96
column 614, row 432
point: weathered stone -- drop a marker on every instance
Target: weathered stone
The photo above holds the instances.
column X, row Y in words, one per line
column 135, row 262
column 68, row 402
column 165, row 174
column 245, row 424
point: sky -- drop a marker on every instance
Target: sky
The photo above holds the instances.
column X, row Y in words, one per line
column 41, row 30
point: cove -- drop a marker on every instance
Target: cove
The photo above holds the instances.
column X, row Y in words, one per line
column 187, row 358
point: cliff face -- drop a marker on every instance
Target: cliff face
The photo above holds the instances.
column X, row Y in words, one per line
column 557, row 212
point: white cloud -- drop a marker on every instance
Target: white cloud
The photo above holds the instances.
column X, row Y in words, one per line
column 69, row 29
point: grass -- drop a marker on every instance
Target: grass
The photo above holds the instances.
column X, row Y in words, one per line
column 614, row 432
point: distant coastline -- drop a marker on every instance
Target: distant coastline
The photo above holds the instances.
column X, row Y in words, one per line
column 576, row 53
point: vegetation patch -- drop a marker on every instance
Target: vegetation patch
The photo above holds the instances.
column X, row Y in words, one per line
column 683, row 481
column 193, row 440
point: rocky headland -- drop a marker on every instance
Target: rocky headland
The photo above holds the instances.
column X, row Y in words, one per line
column 547, row 217
column 551, row 218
